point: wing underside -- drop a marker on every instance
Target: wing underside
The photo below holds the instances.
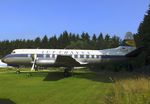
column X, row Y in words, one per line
column 68, row 60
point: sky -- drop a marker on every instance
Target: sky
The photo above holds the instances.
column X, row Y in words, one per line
column 28, row 19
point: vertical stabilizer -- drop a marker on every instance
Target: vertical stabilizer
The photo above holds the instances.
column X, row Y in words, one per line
column 129, row 40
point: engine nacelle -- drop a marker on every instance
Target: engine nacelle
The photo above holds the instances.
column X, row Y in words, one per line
column 45, row 62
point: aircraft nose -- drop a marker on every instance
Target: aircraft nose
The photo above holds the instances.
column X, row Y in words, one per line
column 3, row 59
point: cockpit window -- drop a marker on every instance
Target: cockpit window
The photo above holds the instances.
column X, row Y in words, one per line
column 13, row 52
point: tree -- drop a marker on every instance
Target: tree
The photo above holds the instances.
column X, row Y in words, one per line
column 78, row 37
column 63, row 40
column 78, row 45
column 114, row 41
column 143, row 35
column 37, row 42
column 107, row 41
column 93, row 44
column 30, row 44
column 94, row 38
column 53, row 43
column 85, row 37
column 72, row 37
column 100, row 41
column 144, row 32
column 44, row 43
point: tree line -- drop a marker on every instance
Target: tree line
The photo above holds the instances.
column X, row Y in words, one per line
column 66, row 40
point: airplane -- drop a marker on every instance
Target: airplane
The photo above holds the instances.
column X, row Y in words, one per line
column 70, row 58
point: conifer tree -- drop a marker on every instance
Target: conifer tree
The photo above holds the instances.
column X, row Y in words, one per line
column 44, row 43
column 37, row 42
column 53, row 43
column 144, row 32
column 100, row 41
column 143, row 36
column 85, row 37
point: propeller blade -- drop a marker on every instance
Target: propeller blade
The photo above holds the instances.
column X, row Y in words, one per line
column 32, row 68
column 34, row 62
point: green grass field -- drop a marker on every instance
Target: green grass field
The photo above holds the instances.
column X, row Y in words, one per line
column 84, row 87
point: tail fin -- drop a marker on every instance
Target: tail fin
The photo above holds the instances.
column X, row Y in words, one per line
column 131, row 45
column 129, row 40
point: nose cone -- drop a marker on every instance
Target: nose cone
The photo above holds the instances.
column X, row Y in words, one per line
column 3, row 60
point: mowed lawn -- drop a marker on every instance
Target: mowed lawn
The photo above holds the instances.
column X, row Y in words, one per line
column 51, row 87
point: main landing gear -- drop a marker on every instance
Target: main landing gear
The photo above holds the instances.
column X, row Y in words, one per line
column 18, row 71
column 67, row 72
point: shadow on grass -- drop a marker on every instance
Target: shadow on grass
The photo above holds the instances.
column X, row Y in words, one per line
column 54, row 76
column 6, row 101
column 99, row 77
column 105, row 77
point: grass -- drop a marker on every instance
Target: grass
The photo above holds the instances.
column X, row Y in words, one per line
column 130, row 91
column 84, row 87
column 52, row 88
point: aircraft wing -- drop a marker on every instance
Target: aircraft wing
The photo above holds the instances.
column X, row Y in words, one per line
column 68, row 60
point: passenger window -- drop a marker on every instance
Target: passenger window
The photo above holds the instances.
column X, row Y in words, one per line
column 75, row 56
column 87, row 56
column 47, row 56
column 13, row 52
column 44, row 56
column 92, row 56
column 97, row 56
column 53, row 56
column 39, row 55
column 81, row 56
